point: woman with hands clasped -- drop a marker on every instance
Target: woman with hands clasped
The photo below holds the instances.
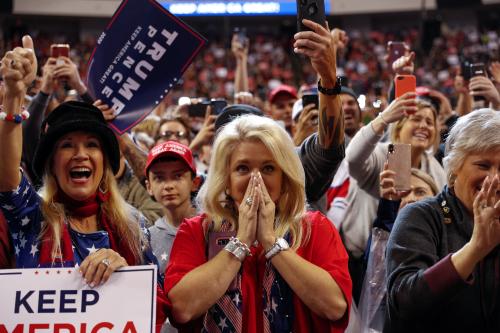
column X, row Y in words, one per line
column 443, row 253
column 78, row 218
column 256, row 261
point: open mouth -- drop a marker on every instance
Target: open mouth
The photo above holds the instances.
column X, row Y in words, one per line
column 421, row 136
column 80, row 173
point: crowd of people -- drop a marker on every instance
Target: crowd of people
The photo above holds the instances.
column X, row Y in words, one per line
column 320, row 235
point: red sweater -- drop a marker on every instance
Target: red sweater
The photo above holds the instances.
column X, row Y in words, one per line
column 324, row 249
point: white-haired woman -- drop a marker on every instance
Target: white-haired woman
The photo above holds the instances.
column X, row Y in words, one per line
column 256, row 261
column 443, row 254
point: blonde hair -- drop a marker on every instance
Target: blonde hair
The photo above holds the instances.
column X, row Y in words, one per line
column 291, row 204
column 148, row 125
column 116, row 209
column 396, row 128
column 425, row 177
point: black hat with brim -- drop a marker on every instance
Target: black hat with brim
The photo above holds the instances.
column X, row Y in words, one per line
column 75, row 116
column 234, row 111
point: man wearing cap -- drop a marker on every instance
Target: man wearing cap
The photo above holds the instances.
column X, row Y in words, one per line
column 170, row 179
column 281, row 101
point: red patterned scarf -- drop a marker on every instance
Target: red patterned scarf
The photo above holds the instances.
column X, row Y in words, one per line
column 85, row 208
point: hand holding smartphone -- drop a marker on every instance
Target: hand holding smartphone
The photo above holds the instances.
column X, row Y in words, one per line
column 399, row 161
column 313, row 10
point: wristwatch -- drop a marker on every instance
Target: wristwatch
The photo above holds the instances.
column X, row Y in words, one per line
column 331, row 91
column 280, row 245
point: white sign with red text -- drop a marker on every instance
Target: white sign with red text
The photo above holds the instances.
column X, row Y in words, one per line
column 57, row 300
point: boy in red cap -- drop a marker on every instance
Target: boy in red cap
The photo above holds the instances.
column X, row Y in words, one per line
column 170, row 180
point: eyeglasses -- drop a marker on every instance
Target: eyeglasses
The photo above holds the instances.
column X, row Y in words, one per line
column 177, row 134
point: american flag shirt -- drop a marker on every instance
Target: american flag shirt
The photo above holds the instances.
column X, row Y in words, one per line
column 22, row 210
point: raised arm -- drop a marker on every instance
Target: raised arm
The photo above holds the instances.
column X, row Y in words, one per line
column 321, row 48
column 240, row 51
column 18, row 69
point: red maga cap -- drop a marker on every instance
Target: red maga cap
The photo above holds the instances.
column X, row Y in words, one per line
column 171, row 148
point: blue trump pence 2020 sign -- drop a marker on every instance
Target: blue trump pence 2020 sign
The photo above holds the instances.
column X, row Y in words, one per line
column 139, row 57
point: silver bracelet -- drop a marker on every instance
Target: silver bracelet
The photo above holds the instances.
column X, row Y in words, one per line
column 237, row 248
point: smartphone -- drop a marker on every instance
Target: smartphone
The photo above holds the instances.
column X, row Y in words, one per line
column 199, row 109
column 216, row 243
column 404, row 84
column 396, row 50
column 310, row 99
column 241, row 35
column 59, row 50
column 217, row 106
column 313, row 10
column 478, row 69
column 399, row 160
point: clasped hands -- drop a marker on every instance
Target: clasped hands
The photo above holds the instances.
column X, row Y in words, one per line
column 256, row 214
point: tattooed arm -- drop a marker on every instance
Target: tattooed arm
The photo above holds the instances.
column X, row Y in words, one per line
column 135, row 157
column 321, row 47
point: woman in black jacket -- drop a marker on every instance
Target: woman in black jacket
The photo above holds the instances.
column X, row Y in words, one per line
column 443, row 255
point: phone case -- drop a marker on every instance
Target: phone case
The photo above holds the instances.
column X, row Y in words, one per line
column 399, row 160
column 216, row 243
column 59, row 50
column 396, row 51
column 313, row 10
column 404, row 84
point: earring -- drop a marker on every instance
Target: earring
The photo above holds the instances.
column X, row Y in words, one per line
column 102, row 188
column 453, row 178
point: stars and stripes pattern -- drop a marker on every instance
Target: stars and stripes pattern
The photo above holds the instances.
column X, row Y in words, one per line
column 277, row 299
column 22, row 211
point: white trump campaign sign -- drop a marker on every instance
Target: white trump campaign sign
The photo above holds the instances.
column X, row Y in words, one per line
column 58, row 300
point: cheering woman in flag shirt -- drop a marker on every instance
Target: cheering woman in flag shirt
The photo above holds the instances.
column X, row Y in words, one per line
column 79, row 218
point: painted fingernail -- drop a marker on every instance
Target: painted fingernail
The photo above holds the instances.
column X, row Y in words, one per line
column 91, row 285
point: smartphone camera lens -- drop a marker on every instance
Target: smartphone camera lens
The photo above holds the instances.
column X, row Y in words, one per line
column 391, row 148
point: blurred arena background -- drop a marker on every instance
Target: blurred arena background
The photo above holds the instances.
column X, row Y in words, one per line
column 442, row 33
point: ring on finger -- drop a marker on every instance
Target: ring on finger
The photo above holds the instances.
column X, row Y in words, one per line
column 106, row 262
column 249, row 201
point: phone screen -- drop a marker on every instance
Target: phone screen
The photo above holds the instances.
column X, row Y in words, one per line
column 313, row 10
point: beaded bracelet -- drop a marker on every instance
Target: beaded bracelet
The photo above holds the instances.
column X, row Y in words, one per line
column 15, row 118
